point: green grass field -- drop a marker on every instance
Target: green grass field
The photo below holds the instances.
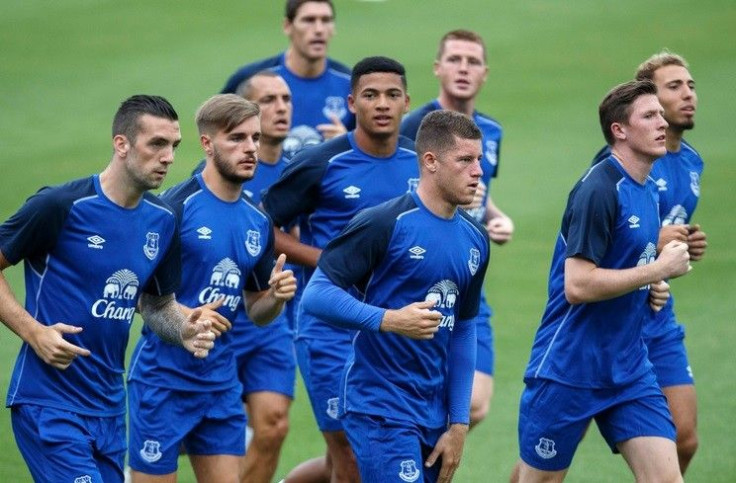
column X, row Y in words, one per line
column 66, row 65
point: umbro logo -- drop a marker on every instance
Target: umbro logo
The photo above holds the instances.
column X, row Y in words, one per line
column 633, row 221
column 661, row 184
column 351, row 192
column 204, row 233
column 417, row 252
column 95, row 241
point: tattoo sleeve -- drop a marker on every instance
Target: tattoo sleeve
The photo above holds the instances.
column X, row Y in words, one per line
column 163, row 316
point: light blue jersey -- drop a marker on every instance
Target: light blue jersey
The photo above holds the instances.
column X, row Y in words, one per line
column 87, row 261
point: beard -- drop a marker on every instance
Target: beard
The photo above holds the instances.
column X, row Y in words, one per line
column 226, row 170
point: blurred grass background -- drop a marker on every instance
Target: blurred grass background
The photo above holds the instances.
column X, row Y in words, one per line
column 66, row 65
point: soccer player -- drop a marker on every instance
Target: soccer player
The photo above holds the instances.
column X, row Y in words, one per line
column 588, row 359
column 677, row 176
column 462, row 70
column 322, row 189
column 227, row 261
column 319, row 85
column 407, row 384
column 93, row 248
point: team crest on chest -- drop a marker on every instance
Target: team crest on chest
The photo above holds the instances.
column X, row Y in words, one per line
column 409, row 471
column 150, row 249
column 253, row 242
column 491, row 152
column 413, row 184
column 334, row 107
column 474, row 262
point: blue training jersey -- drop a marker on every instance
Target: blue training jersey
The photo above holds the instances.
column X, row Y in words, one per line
column 492, row 134
column 611, row 220
column 226, row 248
column 315, row 100
column 324, row 187
column 87, row 260
column 677, row 176
column 396, row 254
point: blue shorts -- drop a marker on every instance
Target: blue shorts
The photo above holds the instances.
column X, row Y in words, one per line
column 390, row 450
column 265, row 358
column 553, row 418
column 59, row 445
column 161, row 420
column 485, row 358
column 668, row 355
column 321, row 363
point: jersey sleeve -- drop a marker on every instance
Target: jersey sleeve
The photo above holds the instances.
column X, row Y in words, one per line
column 462, row 356
column 590, row 221
column 349, row 259
column 34, row 229
column 602, row 154
column 296, row 192
column 471, row 302
column 261, row 273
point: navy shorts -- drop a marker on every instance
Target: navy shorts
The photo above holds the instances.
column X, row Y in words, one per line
column 59, row 445
column 553, row 418
column 390, row 450
column 161, row 420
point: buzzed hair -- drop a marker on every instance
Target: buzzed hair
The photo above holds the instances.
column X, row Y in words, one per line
column 130, row 111
column 292, row 7
column 646, row 69
column 616, row 106
column 245, row 88
column 438, row 131
column 377, row 64
column 461, row 34
column 224, row 112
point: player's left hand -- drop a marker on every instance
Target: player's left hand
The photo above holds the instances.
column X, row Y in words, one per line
column 219, row 323
column 196, row 334
column 333, row 129
column 696, row 243
column 450, row 448
column 659, row 292
column 500, row 229
column 282, row 282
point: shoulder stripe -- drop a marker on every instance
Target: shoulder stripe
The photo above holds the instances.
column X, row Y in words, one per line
column 338, row 73
column 86, row 198
column 407, row 212
column 343, row 153
column 254, row 208
column 413, row 153
column 186, row 200
column 474, row 226
column 162, row 208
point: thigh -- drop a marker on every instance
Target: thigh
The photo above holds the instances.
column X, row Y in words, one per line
column 56, row 445
column 322, row 363
column 270, row 362
column 158, row 421
column 385, row 451
column 552, row 421
column 221, row 430
column 683, row 405
column 651, row 458
column 216, row 468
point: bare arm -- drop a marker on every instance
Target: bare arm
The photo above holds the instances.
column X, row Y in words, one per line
column 164, row 316
column 586, row 283
column 296, row 251
column 46, row 341
column 264, row 306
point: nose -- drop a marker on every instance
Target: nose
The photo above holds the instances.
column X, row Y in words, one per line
column 464, row 64
column 250, row 145
column 663, row 122
column 168, row 155
column 477, row 171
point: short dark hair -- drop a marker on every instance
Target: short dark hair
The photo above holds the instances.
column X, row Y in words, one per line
column 461, row 34
column 292, row 7
column 224, row 112
column 125, row 121
column 245, row 87
column 616, row 106
column 438, row 131
column 371, row 65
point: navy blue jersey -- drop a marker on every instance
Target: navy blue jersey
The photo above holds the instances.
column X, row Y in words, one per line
column 226, row 248
column 266, row 174
column 492, row 134
column 314, row 99
column 324, row 187
column 87, row 260
column 398, row 253
column 677, row 176
column 611, row 220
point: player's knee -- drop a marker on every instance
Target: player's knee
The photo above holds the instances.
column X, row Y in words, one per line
column 687, row 445
column 274, row 429
column 479, row 408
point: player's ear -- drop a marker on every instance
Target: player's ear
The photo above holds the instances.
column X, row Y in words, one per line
column 206, row 143
column 121, row 145
column 406, row 103
column 618, row 130
column 351, row 103
column 286, row 27
column 429, row 161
